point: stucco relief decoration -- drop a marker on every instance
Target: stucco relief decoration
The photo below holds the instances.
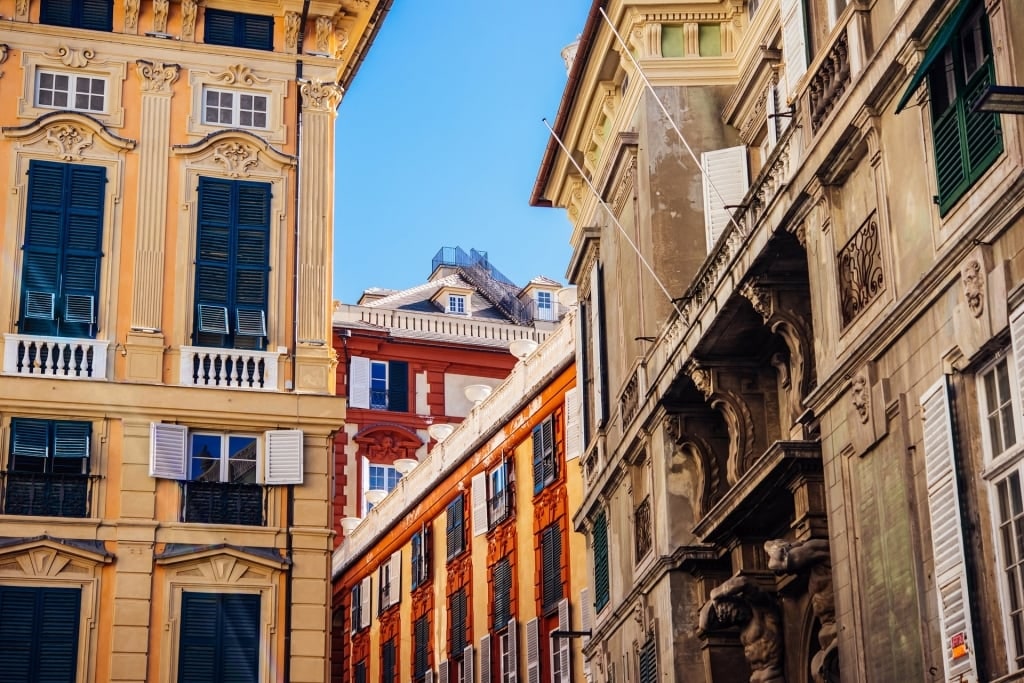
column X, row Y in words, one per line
column 72, row 57
column 740, row 602
column 759, row 297
column 3, row 54
column 324, row 28
column 239, row 74
column 188, row 19
column 160, row 8
column 702, row 380
column 360, row 4
column 320, row 96
column 974, row 287
column 237, row 157
column 69, row 141
column 386, row 449
column 157, row 77
column 860, row 396
column 812, row 558
column 21, row 8
column 131, row 14
column 460, row 572
column 292, row 22
column 341, row 38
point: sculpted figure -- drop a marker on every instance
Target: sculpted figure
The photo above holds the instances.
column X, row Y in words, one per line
column 974, row 287
column 741, row 602
column 859, row 396
column 813, row 558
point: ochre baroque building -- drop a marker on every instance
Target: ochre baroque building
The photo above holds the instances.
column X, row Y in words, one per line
column 470, row 565
column 802, row 333
column 167, row 404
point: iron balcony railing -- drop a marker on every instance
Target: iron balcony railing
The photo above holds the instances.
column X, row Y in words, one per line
column 499, row 507
column 642, row 528
column 223, row 503
column 46, row 494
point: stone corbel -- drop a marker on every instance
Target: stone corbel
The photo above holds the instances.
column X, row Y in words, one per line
column 979, row 312
column 160, row 9
column 131, row 16
column 21, row 10
column 741, row 602
column 188, row 19
column 320, row 96
column 292, row 24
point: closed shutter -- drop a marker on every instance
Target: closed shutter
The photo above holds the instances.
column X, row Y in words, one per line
column 359, row 382
column 283, row 456
column 648, row 662
column 219, row 27
column 771, row 110
column 427, row 553
column 398, row 386
column 365, row 601
column 794, row 42
column 457, row 630
column 256, row 32
column 551, row 558
column 599, row 535
column 485, row 659
column 97, row 15
column 387, row 666
column 30, row 438
column 252, row 263
column 538, row 459
column 219, row 637
column 415, row 561
column 467, row 664
column 512, row 672
column 502, row 592
column 560, row 648
column 455, row 533
column 597, row 332
column 57, row 12
column 550, row 459
column 213, row 261
column 533, row 651
column 421, row 632
column 39, row 631
column 240, row 633
column 83, row 241
column 71, row 440
column 947, row 534
column 478, row 491
column 168, row 458
column 573, row 424
column 725, row 184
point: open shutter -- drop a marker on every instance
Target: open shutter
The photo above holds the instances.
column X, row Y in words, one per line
column 359, row 382
column 167, row 453
column 398, row 386
column 533, row 651
column 597, row 330
column 562, row 651
column 282, row 463
column 365, row 602
column 725, row 184
column 947, row 535
column 512, row 674
column 573, row 424
column 30, row 438
column 1017, row 341
column 442, row 672
column 396, row 578
column 479, row 496
column 467, row 664
column 599, row 539
column 71, row 439
column 582, row 361
column 428, row 676
column 586, row 614
column 794, row 42
column 485, row 659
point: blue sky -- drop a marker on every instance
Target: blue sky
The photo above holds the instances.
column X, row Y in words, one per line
column 440, row 138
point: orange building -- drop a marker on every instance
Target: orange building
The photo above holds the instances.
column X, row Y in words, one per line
column 465, row 569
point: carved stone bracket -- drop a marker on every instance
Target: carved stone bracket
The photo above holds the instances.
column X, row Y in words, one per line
column 156, row 77
column 741, row 602
column 239, row 74
column 75, row 58
column 131, row 15
column 759, row 297
column 320, row 96
column 188, row 19
column 324, row 29
column 160, row 8
column 292, row 24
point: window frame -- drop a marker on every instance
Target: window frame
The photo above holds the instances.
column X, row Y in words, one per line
column 368, row 466
column 456, row 304
column 71, row 92
column 235, row 108
column 500, row 503
column 545, row 455
column 420, row 557
column 994, row 462
column 224, row 457
column 1013, row 632
column 221, row 598
column 455, row 528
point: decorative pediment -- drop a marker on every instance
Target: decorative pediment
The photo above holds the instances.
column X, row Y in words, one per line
column 386, row 443
column 44, row 556
column 76, row 58
column 239, row 74
column 237, row 153
column 221, row 564
column 68, row 135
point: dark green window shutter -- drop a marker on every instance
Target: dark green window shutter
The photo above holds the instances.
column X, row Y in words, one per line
column 502, row 593
column 551, row 564
column 39, row 632
column 545, row 469
column 457, row 637
column 398, row 386
column 648, row 662
column 454, row 528
column 421, row 636
column 29, row 439
column 387, row 666
column 238, row 30
column 538, row 460
column 600, row 548
column 219, row 637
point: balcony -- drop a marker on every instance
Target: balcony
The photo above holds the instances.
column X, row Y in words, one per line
column 223, row 503
column 642, row 529
column 59, row 357
column 229, row 368
column 499, row 507
column 46, row 494
column 830, row 81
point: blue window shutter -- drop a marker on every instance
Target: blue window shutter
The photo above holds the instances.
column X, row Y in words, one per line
column 252, row 260
column 256, row 32
column 57, row 12
column 83, row 243
column 17, row 622
column 197, row 651
column 219, row 637
column 30, row 438
column 398, row 386
column 240, row 633
column 97, row 15
column 219, row 27
column 538, row 459
column 39, row 632
column 40, row 275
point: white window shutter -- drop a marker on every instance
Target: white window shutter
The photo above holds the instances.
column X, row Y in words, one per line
column 596, row 330
column 563, row 653
column 467, row 664
column 586, row 614
column 533, row 651
column 485, row 659
column 282, row 460
column 947, row 535
column 442, row 672
column 725, row 184
column 365, row 602
column 428, row 676
column 573, row 424
column 512, row 674
column 1017, row 341
column 479, row 498
column 168, row 457
column 794, row 42
column 395, row 594
column 359, row 382
column 771, row 110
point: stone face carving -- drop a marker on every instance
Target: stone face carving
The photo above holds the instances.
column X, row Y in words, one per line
column 813, row 558
column 742, row 603
column 860, row 397
column 974, row 287
column 188, row 19
column 292, row 22
column 702, row 379
column 320, row 96
column 324, row 28
column 340, row 41
column 160, row 8
column 236, row 157
column 69, row 141
column 131, row 14
column 157, row 78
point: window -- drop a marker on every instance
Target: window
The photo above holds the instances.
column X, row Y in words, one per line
column 361, row 604
column 545, row 464
column 421, row 645
column 70, row 91
column 388, row 668
column 379, row 385
column 228, row 108
column 599, row 539
column 997, row 409
column 421, row 556
column 389, row 582
column 239, row 30
column 378, row 478
column 551, row 566
column 499, row 493
column 457, row 635
column 60, row 273
column 1011, row 545
column 97, row 15
column 966, row 142
column 359, row 676
column 545, row 306
column 220, row 637
column 501, row 580
column 48, row 471
column 456, row 303
column 648, row 662
column 508, row 658
column 455, row 528
column 232, row 264
column 39, row 631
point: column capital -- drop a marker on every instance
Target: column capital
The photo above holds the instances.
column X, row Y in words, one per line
column 320, row 96
column 157, row 77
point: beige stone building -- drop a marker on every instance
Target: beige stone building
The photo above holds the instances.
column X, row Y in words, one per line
column 166, row 397
column 801, row 337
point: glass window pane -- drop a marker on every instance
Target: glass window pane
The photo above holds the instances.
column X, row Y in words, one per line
column 204, row 459
column 242, row 459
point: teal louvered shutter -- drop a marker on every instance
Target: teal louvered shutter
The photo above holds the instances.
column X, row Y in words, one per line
column 219, row 27
column 240, row 634
column 82, row 253
column 71, row 447
column 599, row 535
column 421, row 632
column 213, row 261
column 252, row 250
column 40, row 275
column 97, row 15
column 256, row 31
column 57, row 12
column 219, row 637
column 39, row 631
column 648, row 662
column 398, row 386
column 551, row 559
column 550, row 461
column 502, row 593
column 197, row 650
column 17, row 631
column 454, row 527
column 29, row 439
column 538, row 459
column 457, row 636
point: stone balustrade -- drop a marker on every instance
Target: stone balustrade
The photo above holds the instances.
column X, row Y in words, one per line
column 55, row 357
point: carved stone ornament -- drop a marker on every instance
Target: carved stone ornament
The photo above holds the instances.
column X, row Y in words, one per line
column 21, row 8
column 237, row 157
column 674, row 429
column 239, row 74
column 131, row 14
column 3, row 52
column 341, row 39
column 320, row 96
column 74, row 58
column 759, row 297
column 973, row 280
column 292, row 22
column 157, row 77
column 361, row 4
column 69, row 141
column 860, row 396
column 324, row 28
column 740, row 602
column 702, row 379
column 188, row 19
column 160, row 8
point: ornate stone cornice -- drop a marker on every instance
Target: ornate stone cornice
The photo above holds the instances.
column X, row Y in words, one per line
column 237, row 150
column 156, row 77
column 320, row 96
column 70, row 132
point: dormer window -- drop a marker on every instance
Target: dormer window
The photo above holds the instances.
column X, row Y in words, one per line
column 545, row 306
column 456, row 304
